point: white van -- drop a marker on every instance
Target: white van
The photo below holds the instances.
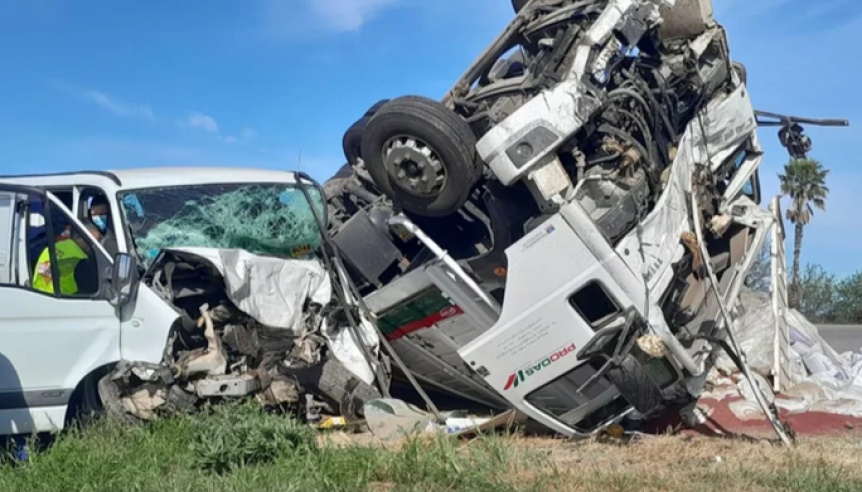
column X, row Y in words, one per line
column 57, row 344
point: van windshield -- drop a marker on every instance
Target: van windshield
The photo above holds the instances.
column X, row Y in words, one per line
column 268, row 219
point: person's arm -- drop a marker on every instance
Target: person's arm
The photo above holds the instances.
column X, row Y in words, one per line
column 109, row 242
column 87, row 277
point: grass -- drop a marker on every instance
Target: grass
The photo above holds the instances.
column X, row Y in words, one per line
column 239, row 448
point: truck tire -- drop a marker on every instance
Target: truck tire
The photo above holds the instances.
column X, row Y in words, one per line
column 351, row 142
column 421, row 155
column 635, row 386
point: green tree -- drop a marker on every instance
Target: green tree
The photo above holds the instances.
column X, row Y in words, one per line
column 804, row 181
column 759, row 278
column 817, row 294
column 848, row 305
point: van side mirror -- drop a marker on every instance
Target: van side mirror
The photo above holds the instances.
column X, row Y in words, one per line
column 124, row 281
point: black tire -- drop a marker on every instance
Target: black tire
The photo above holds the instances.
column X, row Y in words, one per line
column 340, row 385
column 519, row 5
column 352, row 141
column 109, row 393
column 85, row 405
column 344, row 172
column 334, row 186
column 635, row 386
column 439, row 128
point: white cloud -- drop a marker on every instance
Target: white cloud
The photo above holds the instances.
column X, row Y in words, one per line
column 202, row 122
column 283, row 20
column 245, row 135
column 208, row 124
column 120, row 108
column 348, row 15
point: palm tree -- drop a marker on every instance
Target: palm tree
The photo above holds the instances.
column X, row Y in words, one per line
column 804, row 181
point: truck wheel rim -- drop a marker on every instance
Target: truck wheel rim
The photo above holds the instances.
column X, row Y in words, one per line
column 414, row 166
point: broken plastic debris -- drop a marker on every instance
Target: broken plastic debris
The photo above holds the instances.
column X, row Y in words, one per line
column 143, row 404
column 696, row 414
column 390, row 419
column 211, row 360
column 332, row 422
column 652, row 346
column 720, row 224
column 455, row 425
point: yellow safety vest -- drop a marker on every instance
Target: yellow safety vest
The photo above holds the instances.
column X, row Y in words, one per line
column 69, row 254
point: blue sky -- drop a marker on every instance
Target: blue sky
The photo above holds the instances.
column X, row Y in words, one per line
column 107, row 84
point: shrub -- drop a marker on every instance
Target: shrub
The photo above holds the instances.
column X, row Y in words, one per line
column 232, row 436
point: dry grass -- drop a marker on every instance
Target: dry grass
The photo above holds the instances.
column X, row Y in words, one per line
column 659, row 463
column 682, row 463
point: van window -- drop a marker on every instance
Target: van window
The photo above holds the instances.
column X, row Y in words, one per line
column 65, row 195
column 56, row 257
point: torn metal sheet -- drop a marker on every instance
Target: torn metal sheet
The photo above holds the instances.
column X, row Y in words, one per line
column 346, row 348
column 271, row 290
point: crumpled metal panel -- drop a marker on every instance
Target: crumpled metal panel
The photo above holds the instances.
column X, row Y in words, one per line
column 687, row 19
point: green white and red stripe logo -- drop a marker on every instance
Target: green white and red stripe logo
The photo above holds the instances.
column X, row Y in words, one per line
column 524, row 373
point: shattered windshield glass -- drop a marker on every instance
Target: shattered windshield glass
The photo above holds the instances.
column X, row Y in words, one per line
column 270, row 219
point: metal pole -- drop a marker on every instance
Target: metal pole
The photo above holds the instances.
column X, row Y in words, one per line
column 728, row 323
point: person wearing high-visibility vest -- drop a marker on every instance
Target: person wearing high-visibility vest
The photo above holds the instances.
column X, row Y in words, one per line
column 70, row 249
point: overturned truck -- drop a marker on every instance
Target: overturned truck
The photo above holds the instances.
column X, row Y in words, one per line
column 566, row 231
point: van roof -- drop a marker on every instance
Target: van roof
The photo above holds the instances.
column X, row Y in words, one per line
column 138, row 178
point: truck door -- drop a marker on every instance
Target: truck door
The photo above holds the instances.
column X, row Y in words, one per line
column 56, row 324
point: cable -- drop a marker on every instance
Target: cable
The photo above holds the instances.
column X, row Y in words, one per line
column 650, row 169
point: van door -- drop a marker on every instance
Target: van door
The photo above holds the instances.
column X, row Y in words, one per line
column 7, row 242
column 56, row 324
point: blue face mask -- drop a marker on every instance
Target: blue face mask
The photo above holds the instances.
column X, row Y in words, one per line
column 101, row 222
